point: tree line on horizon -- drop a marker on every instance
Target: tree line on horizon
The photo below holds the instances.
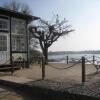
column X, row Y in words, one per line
column 74, row 52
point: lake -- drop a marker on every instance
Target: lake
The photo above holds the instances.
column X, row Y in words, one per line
column 61, row 58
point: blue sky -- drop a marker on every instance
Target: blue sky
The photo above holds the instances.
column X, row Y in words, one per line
column 83, row 15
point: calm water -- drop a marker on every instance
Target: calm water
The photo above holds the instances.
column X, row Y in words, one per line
column 62, row 58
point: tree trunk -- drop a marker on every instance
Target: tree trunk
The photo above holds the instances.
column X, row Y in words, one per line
column 45, row 53
column 44, row 48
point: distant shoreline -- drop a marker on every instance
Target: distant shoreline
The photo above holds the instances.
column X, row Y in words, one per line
column 74, row 52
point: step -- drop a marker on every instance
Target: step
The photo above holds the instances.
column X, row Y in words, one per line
column 7, row 68
column 5, row 65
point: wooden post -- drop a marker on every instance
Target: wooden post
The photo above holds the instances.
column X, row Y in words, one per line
column 83, row 70
column 93, row 59
column 27, row 39
column 11, row 62
column 40, row 62
column 43, row 68
column 67, row 59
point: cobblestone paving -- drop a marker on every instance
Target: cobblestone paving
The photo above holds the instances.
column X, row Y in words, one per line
column 92, row 89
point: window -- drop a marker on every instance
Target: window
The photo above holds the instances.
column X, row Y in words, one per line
column 3, row 24
column 18, row 43
column 3, row 43
column 18, row 26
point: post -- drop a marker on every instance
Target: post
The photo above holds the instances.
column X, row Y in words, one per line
column 43, row 68
column 67, row 59
column 93, row 59
column 27, row 39
column 83, row 70
column 11, row 60
column 40, row 62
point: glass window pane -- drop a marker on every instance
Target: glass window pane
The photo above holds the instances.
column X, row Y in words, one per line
column 3, row 24
column 3, row 43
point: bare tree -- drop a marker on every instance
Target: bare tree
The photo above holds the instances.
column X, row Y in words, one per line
column 17, row 6
column 25, row 9
column 47, row 33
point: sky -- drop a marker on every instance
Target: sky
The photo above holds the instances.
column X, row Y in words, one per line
column 83, row 15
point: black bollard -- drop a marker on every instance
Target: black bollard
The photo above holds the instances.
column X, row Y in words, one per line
column 93, row 59
column 67, row 60
column 83, row 70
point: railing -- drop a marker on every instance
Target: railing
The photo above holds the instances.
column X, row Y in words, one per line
column 65, row 68
column 83, row 61
column 16, row 64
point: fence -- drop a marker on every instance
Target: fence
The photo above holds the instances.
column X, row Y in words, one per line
column 83, row 61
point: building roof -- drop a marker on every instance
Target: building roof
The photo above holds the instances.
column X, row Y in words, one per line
column 16, row 14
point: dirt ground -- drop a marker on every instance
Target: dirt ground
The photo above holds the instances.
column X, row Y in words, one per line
column 73, row 74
